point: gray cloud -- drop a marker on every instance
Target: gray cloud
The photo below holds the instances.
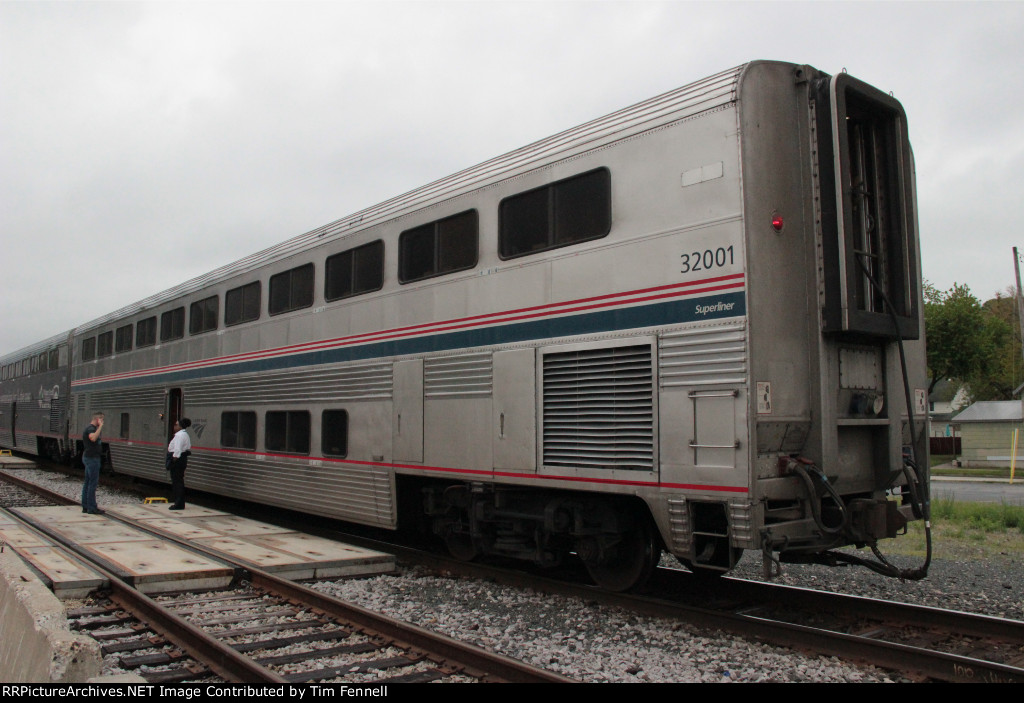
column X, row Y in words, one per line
column 142, row 144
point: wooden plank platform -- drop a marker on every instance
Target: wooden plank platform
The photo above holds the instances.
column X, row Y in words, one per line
column 8, row 461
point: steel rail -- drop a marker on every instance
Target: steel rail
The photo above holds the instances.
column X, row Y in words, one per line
column 465, row 656
column 486, row 664
column 57, row 498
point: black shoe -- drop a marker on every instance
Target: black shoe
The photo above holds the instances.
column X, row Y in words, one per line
column 177, row 507
column 97, row 511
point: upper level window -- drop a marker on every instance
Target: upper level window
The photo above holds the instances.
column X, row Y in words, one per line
column 145, row 332
column 105, row 344
column 572, row 210
column 438, row 247
column 292, row 290
column 54, row 359
column 242, row 304
column 356, row 271
column 123, row 339
column 88, row 349
column 172, row 324
column 202, row 315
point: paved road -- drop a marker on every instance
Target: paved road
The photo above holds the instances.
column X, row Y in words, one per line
column 979, row 490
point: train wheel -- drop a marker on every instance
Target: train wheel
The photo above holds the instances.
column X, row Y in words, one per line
column 628, row 564
column 460, row 545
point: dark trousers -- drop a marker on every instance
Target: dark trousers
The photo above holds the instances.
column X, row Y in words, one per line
column 92, row 479
column 178, row 482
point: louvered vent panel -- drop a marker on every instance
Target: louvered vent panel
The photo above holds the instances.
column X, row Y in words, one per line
column 458, row 376
column 356, row 382
column 704, row 356
column 57, row 406
column 128, row 398
column 599, row 408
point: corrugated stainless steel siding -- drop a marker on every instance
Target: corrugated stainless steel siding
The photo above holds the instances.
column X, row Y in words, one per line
column 345, row 491
column 704, row 356
column 143, row 460
column 359, row 493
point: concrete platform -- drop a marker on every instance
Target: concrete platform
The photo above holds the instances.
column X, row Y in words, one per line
column 36, row 645
column 8, row 461
column 62, row 572
column 151, row 564
column 289, row 554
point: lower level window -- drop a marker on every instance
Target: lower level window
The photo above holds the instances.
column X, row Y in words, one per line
column 334, row 433
column 288, row 431
column 238, row 430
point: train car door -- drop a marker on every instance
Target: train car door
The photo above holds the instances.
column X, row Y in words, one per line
column 515, row 411
column 14, row 418
column 408, row 411
column 174, row 405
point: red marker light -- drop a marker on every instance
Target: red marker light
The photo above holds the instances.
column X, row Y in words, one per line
column 777, row 222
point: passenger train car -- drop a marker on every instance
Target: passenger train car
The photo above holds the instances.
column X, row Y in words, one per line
column 692, row 325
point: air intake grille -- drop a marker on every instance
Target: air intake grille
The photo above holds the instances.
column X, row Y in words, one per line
column 57, row 414
column 599, row 409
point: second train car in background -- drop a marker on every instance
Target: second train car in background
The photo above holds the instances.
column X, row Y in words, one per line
column 676, row 327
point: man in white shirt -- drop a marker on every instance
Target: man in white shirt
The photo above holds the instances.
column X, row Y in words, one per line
column 178, row 452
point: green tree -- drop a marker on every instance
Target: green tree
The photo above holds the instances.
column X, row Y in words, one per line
column 963, row 338
column 1004, row 374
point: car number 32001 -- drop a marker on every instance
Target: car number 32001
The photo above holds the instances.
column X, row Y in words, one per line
column 707, row 259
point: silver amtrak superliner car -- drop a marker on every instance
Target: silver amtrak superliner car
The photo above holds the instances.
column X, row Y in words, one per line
column 692, row 325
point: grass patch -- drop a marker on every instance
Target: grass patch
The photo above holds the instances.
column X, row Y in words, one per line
column 986, row 472
column 987, row 517
column 962, row 530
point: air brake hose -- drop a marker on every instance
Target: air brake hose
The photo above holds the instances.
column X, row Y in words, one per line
column 804, row 469
column 919, row 504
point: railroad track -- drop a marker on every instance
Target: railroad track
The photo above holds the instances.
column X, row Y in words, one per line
column 915, row 641
column 268, row 629
column 918, row 642
column 278, row 633
column 20, row 494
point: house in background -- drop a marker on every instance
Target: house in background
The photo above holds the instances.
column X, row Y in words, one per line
column 946, row 400
column 987, row 429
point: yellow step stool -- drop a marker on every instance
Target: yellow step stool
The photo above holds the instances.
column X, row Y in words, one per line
column 5, row 452
column 154, row 500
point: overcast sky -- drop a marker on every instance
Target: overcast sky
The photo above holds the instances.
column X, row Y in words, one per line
column 143, row 144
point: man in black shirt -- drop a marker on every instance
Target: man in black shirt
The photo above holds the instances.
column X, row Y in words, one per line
column 92, row 457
